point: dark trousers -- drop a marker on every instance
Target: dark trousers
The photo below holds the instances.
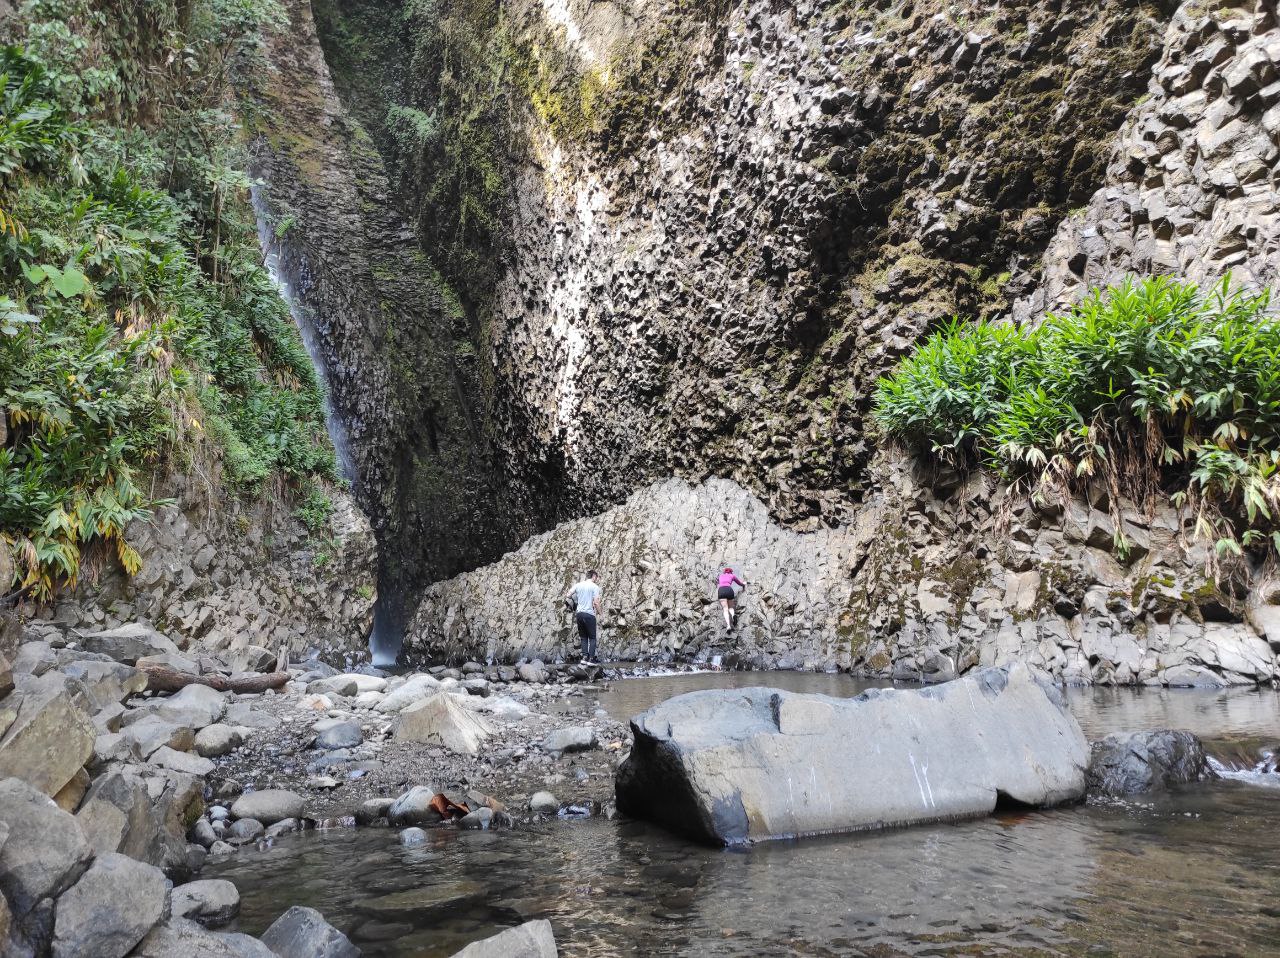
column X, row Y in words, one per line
column 587, row 633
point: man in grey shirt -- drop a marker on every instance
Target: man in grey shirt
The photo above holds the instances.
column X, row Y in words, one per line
column 586, row 598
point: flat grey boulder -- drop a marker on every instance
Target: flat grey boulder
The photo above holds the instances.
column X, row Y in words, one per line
column 45, row 851
column 742, row 765
column 128, row 643
column 578, row 738
column 1130, row 763
column 303, row 933
column 188, row 939
column 270, row 805
column 210, row 901
column 110, row 909
column 533, row 939
column 335, row 733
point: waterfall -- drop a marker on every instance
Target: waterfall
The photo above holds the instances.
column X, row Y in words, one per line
column 305, row 321
column 388, row 630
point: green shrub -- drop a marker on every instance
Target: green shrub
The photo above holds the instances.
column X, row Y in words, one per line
column 1152, row 387
column 138, row 319
column 315, row 509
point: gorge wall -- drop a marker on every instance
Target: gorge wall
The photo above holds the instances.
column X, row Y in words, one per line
column 684, row 240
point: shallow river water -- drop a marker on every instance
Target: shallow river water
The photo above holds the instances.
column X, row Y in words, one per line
column 1193, row 873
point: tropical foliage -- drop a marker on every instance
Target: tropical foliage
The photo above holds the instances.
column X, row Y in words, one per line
column 138, row 328
column 1153, row 387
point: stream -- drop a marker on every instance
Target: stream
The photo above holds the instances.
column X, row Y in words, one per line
column 1195, row 872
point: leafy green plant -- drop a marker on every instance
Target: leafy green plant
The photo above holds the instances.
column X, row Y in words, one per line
column 137, row 321
column 315, row 509
column 1152, row 387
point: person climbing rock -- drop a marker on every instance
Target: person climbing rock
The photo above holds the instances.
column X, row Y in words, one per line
column 727, row 596
column 586, row 598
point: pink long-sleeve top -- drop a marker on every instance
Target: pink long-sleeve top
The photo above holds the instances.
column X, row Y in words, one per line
column 728, row 578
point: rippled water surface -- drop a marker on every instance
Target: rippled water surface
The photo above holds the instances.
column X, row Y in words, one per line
column 1194, row 873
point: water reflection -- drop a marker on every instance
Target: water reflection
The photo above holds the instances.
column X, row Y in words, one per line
column 1197, row 872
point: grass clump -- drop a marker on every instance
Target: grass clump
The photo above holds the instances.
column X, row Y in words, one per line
column 1153, row 387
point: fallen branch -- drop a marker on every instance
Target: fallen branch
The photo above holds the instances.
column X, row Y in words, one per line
column 161, row 678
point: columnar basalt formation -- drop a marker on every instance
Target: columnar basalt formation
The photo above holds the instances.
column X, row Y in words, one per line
column 701, row 232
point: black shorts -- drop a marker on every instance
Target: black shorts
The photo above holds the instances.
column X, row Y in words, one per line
column 726, row 592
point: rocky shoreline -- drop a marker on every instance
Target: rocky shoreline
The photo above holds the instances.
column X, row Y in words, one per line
column 104, row 782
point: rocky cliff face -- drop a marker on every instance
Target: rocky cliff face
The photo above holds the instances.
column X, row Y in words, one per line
column 226, row 574
column 389, row 335
column 918, row 587
column 707, row 231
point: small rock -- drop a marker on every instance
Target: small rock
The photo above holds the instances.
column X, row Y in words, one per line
column 373, row 809
column 216, row 740
column 303, row 933
column 332, row 733
column 544, row 803
column 533, row 939
column 221, row 849
column 579, row 738
column 413, row 836
column 211, row 902
column 202, row 833
column 269, row 805
column 414, row 807
column 479, row 819
column 244, row 831
column 286, row 826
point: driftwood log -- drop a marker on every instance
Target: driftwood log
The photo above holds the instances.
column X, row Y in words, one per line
column 160, row 678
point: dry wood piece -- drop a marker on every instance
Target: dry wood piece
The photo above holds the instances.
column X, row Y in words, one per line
column 160, row 678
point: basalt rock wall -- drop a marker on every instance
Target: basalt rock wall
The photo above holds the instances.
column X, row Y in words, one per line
column 708, row 228
column 918, row 587
column 224, row 573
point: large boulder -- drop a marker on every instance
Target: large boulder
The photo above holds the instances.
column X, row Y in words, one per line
column 303, row 933
column 151, row 733
column 142, row 813
column 733, row 766
column 1130, row 763
column 45, row 851
column 110, row 909
column 533, row 939
column 128, row 643
column 50, row 738
column 270, row 805
column 441, row 720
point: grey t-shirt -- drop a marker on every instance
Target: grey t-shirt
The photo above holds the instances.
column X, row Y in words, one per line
column 585, row 593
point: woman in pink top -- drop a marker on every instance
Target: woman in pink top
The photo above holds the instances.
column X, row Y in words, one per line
column 728, row 598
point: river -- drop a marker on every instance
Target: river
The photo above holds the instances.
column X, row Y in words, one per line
column 1196, row 872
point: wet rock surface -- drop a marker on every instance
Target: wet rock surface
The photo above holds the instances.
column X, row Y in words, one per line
column 757, row 764
column 1134, row 763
